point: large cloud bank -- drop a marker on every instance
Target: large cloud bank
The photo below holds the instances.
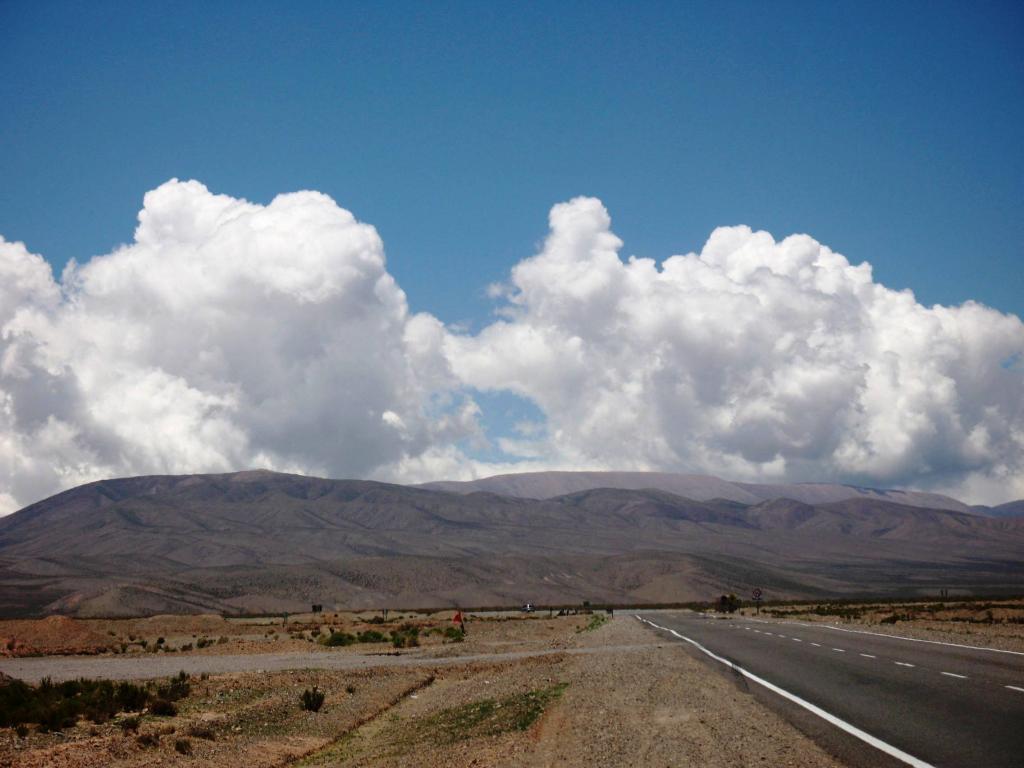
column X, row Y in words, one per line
column 232, row 335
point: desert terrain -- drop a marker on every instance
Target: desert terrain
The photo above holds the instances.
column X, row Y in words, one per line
column 598, row 690
column 531, row 689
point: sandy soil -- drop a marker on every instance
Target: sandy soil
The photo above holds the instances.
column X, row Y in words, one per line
column 632, row 701
column 656, row 707
column 213, row 635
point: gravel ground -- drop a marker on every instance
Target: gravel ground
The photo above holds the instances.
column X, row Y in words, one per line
column 654, row 705
column 615, row 695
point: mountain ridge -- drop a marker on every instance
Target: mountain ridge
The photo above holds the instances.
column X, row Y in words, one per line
column 261, row 541
column 542, row 485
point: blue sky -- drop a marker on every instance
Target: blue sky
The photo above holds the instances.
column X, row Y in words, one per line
column 231, row 336
column 890, row 132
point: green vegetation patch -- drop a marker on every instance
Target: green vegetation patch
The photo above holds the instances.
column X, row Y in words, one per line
column 596, row 620
column 488, row 717
column 55, row 706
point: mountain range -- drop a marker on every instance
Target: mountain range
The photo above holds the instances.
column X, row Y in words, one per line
column 260, row 541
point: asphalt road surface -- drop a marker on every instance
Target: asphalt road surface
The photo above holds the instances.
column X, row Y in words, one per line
column 927, row 703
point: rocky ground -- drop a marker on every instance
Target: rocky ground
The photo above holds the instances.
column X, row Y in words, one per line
column 605, row 692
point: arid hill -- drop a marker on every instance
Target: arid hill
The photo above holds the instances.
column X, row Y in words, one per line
column 546, row 485
column 261, row 541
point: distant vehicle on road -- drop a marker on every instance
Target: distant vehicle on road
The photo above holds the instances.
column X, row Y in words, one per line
column 528, row 608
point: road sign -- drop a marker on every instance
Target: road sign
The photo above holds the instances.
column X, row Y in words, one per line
column 757, row 593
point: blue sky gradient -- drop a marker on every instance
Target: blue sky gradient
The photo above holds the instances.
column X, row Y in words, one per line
column 890, row 132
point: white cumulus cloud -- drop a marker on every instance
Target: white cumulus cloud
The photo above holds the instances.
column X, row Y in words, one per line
column 230, row 335
column 753, row 359
column 227, row 335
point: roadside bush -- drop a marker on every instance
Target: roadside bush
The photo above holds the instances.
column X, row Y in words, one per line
column 454, row 634
column 130, row 724
column 312, row 699
column 163, row 708
column 54, row 707
column 183, row 746
column 406, row 636
column 202, row 731
column 336, row 639
column 372, row 636
column 148, row 739
column 176, row 689
column 131, row 697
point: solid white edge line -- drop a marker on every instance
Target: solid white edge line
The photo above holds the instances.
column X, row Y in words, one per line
column 853, row 730
column 1015, row 688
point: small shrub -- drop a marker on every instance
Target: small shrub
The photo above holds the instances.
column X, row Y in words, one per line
column 202, row 731
column 350, row 689
column 204, row 642
column 21, row 730
column 163, row 708
column 130, row 724
column 148, row 739
column 132, row 697
column 312, row 699
column 222, row 640
column 177, row 688
column 454, row 634
column 183, row 746
column 406, row 636
column 372, row 636
column 186, row 647
column 336, row 639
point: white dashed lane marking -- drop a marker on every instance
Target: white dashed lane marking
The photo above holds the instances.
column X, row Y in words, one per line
column 1019, row 689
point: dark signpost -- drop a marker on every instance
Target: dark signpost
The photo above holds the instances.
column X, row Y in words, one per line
column 757, row 594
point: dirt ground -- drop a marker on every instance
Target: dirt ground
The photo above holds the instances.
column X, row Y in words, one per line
column 635, row 700
column 992, row 624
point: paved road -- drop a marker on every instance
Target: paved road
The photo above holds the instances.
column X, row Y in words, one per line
column 143, row 667
column 941, row 704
